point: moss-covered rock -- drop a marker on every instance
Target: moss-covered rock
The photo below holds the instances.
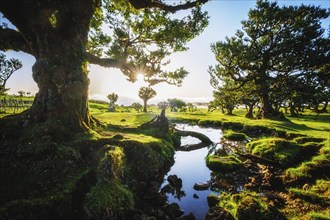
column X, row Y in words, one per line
column 246, row 205
column 317, row 167
column 283, row 151
column 223, row 163
column 78, row 179
column 109, row 200
column 311, row 201
column 235, row 136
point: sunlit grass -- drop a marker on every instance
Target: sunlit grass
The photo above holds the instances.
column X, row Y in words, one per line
column 305, row 125
column 127, row 117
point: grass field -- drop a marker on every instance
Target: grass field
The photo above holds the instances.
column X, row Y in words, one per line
column 304, row 160
column 305, row 124
column 127, row 117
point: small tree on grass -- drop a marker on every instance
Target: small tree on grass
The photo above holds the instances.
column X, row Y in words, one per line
column 21, row 94
column 191, row 107
column 146, row 93
column 113, row 98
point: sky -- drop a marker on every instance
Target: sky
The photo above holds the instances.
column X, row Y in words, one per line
column 225, row 19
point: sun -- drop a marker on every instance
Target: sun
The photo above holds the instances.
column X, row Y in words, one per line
column 140, row 79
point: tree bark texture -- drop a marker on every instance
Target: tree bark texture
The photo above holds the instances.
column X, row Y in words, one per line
column 249, row 113
column 267, row 110
column 60, row 70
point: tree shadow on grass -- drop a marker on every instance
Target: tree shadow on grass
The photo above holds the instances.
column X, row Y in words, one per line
column 296, row 127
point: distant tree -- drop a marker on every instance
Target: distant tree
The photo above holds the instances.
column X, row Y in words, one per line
column 146, row 93
column 7, row 68
column 137, row 106
column 21, row 94
column 113, row 98
column 162, row 105
column 212, row 106
column 275, row 42
column 191, row 107
column 248, row 96
column 225, row 94
column 321, row 80
column 176, row 104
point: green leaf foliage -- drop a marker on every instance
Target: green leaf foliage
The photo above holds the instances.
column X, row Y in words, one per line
column 266, row 62
column 144, row 39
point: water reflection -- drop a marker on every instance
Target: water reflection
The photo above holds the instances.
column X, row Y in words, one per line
column 190, row 166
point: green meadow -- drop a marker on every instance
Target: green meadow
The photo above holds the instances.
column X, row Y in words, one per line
column 304, row 125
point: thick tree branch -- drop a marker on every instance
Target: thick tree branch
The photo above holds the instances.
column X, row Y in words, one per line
column 159, row 4
column 13, row 40
column 105, row 62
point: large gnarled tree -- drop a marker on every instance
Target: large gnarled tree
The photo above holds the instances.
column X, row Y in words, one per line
column 66, row 36
column 275, row 43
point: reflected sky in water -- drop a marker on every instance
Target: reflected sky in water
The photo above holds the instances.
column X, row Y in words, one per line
column 191, row 168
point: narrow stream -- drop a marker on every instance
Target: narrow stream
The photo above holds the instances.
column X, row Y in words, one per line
column 190, row 166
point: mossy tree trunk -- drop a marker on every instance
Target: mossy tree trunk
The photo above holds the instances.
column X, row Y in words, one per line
column 267, row 110
column 230, row 110
column 57, row 38
column 293, row 111
column 249, row 113
column 62, row 100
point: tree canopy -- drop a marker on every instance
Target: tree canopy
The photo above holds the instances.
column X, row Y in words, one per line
column 276, row 45
column 66, row 36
